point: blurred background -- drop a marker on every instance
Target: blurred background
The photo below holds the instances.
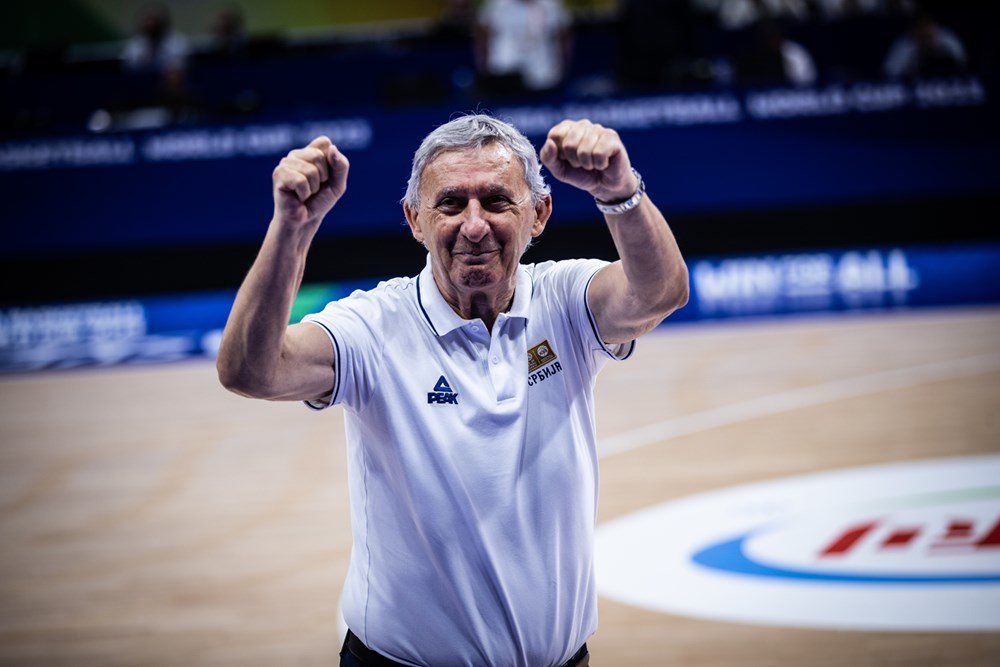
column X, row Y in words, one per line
column 137, row 141
column 829, row 167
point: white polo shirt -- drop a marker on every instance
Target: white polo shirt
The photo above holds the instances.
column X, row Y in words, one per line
column 472, row 467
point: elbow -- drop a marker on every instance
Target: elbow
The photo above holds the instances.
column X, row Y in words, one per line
column 677, row 293
column 229, row 376
column 235, row 377
column 683, row 293
column 673, row 297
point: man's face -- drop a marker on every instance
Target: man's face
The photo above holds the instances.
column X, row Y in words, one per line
column 476, row 218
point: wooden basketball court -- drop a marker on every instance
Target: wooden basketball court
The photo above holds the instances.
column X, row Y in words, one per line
column 148, row 517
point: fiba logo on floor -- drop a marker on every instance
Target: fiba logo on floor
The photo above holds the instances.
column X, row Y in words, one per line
column 906, row 546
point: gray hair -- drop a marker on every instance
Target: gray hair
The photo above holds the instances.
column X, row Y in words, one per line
column 475, row 131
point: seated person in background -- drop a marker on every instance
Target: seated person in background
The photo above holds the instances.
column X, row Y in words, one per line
column 156, row 46
column 229, row 38
column 846, row 9
column 926, row 49
column 773, row 59
column 739, row 14
column 156, row 58
column 522, row 45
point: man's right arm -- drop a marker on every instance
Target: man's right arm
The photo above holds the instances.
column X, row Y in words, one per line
column 260, row 355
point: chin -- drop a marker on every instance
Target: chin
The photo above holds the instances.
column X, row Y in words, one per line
column 478, row 276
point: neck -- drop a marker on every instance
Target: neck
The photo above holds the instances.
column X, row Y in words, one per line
column 484, row 304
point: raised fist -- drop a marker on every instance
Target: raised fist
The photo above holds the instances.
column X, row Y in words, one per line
column 590, row 157
column 308, row 182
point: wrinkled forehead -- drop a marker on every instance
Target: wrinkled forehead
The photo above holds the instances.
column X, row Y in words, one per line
column 494, row 163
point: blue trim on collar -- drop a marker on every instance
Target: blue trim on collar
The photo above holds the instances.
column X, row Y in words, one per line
column 420, row 302
column 440, row 316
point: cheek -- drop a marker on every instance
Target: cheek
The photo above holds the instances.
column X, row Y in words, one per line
column 519, row 237
column 441, row 236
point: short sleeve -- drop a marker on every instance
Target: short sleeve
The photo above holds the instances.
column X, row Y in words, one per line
column 570, row 279
column 354, row 326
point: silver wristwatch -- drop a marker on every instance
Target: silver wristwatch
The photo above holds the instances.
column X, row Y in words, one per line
column 625, row 204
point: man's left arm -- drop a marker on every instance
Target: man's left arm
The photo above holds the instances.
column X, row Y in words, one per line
column 650, row 280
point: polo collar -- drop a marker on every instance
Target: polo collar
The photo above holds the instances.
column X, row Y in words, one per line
column 440, row 316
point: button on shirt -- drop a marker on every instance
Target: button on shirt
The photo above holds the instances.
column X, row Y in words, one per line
column 472, row 468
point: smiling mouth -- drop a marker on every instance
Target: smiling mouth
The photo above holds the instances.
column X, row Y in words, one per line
column 476, row 256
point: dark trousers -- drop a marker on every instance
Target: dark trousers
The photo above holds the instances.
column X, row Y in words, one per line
column 356, row 654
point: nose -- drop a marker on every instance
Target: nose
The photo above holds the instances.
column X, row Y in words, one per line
column 474, row 227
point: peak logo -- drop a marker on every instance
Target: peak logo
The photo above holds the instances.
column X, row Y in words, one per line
column 442, row 393
column 908, row 546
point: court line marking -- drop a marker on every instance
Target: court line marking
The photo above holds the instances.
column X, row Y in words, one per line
column 804, row 397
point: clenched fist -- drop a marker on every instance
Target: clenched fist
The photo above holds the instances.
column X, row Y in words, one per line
column 308, row 182
column 590, row 157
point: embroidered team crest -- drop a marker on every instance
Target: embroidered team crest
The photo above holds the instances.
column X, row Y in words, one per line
column 540, row 355
column 442, row 393
column 542, row 363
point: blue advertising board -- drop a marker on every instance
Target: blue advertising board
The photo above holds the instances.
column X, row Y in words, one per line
column 864, row 279
column 699, row 152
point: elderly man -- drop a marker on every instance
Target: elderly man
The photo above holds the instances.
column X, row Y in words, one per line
column 467, row 389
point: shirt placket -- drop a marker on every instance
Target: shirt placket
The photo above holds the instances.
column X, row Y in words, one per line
column 502, row 359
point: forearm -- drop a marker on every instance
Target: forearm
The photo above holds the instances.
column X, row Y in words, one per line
column 650, row 281
column 631, row 296
column 252, row 346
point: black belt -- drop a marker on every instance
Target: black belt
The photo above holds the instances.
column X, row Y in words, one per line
column 369, row 657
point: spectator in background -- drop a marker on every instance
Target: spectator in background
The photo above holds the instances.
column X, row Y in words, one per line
column 926, row 49
column 773, row 59
column 738, row 14
column 157, row 56
column 237, row 92
column 229, row 37
column 156, row 46
column 522, row 45
column 845, row 9
column 835, row 9
column 850, row 36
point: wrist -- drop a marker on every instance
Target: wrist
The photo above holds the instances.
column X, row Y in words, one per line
column 293, row 233
column 615, row 207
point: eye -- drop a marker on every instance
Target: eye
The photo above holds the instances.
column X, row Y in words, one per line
column 450, row 204
column 497, row 203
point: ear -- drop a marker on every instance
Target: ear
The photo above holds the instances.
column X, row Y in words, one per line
column 543, row 210
column 411, row 218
